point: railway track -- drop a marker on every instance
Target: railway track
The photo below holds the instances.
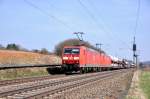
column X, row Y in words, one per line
column 14, row 89
column 40, row 89
column 28, row 79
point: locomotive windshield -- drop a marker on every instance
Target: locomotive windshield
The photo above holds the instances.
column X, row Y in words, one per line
column 71, row 51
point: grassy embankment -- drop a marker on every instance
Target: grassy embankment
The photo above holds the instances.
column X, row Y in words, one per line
column 24, row 72
column 135, row 91
column 145, row 83
column 8, row 57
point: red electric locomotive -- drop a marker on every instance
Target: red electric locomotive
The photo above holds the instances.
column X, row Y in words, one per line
column 83, row 59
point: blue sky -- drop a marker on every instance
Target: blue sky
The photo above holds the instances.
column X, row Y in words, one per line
column 110, row 22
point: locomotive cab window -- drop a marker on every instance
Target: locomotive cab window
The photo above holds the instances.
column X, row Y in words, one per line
column 71, row 51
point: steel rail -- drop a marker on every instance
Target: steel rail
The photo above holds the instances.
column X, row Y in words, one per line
column 27, row 79
column 27, row 66
column 47, row 88
column 38, row 94
column 45, row 83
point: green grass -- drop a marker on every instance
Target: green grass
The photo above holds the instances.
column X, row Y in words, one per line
column 145, row 83
column 132, row 97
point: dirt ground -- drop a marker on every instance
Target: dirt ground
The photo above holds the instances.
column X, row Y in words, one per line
column 20, row 57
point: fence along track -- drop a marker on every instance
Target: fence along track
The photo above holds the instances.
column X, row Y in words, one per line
column 74, row 82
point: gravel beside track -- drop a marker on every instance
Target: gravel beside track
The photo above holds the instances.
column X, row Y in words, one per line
column 59, row 88
column 19, row 88
column 70, row 87
column 113, row 87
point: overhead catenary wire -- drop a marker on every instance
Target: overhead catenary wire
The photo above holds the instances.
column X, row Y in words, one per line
column 66, row 25
column 135, row 55
column 137, row 17
column 101, row 25
column 48, row 14
column 92, row 17
column 107, row 27
column 58, row 9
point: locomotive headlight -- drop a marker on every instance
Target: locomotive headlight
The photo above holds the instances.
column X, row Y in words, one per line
column 76, row 58
column 65, row 58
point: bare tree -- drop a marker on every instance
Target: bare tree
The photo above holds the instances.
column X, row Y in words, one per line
column 72, row 42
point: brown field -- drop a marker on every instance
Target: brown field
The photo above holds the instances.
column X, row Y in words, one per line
column 146, row 68
column 8, row 57
column 20, row 57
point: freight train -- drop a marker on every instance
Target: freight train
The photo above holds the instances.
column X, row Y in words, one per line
column 83, row 59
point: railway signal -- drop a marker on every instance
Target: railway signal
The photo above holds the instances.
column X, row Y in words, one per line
column 135, row 56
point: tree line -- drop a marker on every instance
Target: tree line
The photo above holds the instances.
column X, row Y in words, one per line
column 71, row 42
column 57, row 50
column 17, row 47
